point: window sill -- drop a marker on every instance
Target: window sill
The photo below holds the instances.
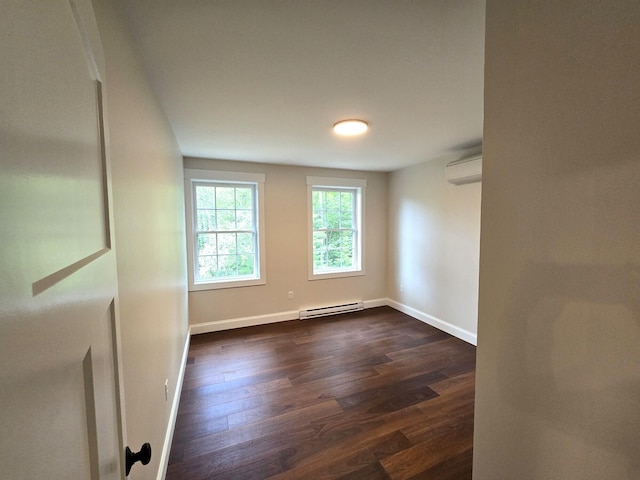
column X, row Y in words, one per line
column 336, row 274
column 227, row 284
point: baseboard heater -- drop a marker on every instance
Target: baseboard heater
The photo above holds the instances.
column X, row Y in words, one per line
column 333, row 310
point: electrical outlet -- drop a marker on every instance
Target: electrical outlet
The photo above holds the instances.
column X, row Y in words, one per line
column 401, row 288
column 166, row 390
column 290, row 295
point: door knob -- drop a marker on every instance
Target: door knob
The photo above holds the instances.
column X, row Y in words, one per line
column 143, row 456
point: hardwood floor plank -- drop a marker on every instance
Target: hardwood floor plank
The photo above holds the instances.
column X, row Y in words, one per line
column 258, row 469
column 218, row 409
column 354, row 433
column 197, row 401
column 446, row 441
column 253, row 431
column 204, row 377
column 454, row 468
column 366, row 395
column 401, row 400
column 391, row 391
column 368, row 387
column 372, row 471
column 336, row 368
column 191, row 426
column 231, row 461
column 393, row 443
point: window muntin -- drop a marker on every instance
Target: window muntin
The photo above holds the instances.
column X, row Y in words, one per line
column 335, row 232
column 335, row 224
column 225, row 229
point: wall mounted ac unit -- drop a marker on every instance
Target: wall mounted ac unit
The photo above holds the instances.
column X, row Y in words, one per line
column 467, row 170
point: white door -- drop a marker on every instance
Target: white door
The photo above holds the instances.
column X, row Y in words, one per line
column 59, row 405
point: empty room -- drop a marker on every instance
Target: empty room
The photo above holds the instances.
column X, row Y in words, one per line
column 278, row 239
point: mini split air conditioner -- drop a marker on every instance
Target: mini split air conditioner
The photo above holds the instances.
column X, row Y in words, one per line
column 467, row 170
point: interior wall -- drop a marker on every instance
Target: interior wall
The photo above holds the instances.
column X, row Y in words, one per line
column 149, row 228
column 558, row 377
column 287, row 248
column 434, row 235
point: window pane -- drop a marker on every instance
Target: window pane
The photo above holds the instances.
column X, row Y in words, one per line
column 206, row 220
column 246, row 264
column 207, row 244
column 346, row 260
column 320, row 259
column 225, row 231
column 225, row 197
column 226, row 243
column 226, row 220
column 333, row 249
column 207, row 267
column 333, row 218
column 319, row 213
column 346, row 238
column 319, row 240
column 205, row 196
column 244, row 219
column 245, row 242
column 319, row 249
column 319, row 219
column 334, row 235
column 346, row 199
column 227, row 266
column 333, row 239
column 346, row 220
column 346, row 243
column 334, row 258
column 317, row 200
column 244, row 198
column 333, row 200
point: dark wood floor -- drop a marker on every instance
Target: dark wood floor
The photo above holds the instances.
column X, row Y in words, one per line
column 366, row 395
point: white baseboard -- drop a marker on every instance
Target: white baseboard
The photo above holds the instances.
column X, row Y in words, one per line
column 377, row 302
column 242, row 322
column 231, row 323
column 451, row 329
column 173, row 414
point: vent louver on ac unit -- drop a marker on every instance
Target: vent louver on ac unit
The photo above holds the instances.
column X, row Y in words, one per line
column 467, row 170
column 333, row 310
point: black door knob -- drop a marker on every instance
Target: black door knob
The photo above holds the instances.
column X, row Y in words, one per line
column 143, row 456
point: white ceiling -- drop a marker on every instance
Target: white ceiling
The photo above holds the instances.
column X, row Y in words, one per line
column 265, row 80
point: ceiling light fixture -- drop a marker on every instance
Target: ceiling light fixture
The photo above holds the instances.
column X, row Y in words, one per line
column 351, row 127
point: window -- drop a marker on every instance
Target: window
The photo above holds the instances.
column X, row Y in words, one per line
column 225, row 231
column 336, row 210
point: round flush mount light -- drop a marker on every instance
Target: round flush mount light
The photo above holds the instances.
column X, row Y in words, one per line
column 351, row 127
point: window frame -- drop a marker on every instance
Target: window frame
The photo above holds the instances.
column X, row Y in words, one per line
column 194, row 177
column 338, row 184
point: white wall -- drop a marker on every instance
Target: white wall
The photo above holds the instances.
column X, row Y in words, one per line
column 149, row 229
column 434, row 234
column 287, row 248
column 558, row 377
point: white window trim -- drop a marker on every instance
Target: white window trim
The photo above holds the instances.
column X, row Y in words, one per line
column 192, row 176
column 328, row 182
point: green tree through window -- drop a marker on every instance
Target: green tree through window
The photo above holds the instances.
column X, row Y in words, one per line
column 335, row 217
column 334, row 229
column 226, row 233
column 225, row 229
